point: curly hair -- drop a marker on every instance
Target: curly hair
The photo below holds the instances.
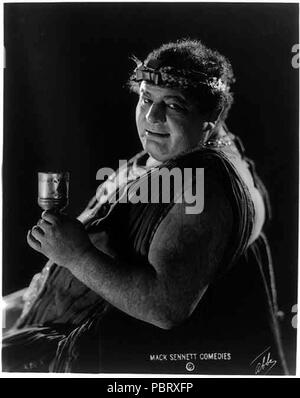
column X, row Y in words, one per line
column 192, row 55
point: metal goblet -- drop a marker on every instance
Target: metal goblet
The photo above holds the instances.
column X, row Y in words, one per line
column 53, row 190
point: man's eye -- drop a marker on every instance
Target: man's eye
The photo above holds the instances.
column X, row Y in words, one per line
column 146, row 100
column 175, row 107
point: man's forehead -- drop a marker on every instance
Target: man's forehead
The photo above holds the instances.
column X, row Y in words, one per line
column 155, row 90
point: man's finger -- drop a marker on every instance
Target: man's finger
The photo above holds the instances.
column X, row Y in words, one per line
column 35, row 244
column 37, row 233
column 50, row 217
column 44, row 225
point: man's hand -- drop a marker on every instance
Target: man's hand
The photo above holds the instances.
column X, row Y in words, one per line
column 60, row 238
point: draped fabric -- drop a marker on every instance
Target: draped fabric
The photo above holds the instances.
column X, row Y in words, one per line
column 71, row 320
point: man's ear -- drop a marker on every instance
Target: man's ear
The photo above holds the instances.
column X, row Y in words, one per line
column 216, row 115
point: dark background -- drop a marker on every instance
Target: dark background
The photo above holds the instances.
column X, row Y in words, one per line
column 66, row 108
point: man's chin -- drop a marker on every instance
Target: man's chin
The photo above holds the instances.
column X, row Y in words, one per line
column 157, row 153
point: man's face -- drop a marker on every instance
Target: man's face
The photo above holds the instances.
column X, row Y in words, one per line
column 167, row 122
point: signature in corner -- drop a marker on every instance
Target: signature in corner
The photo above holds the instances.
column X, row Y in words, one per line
column 263, row 362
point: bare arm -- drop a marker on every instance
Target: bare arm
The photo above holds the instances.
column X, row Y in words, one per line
column 183, row 257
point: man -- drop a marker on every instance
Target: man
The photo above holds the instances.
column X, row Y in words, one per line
column 146, row 287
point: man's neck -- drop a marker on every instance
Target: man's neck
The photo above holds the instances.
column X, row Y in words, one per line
column 151, row 162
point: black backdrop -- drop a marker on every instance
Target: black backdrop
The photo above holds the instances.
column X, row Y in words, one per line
column 65, row 107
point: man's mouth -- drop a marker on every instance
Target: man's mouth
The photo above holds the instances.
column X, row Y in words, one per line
column 150, row 133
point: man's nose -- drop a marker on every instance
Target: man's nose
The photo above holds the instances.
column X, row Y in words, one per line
column 156, row 114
